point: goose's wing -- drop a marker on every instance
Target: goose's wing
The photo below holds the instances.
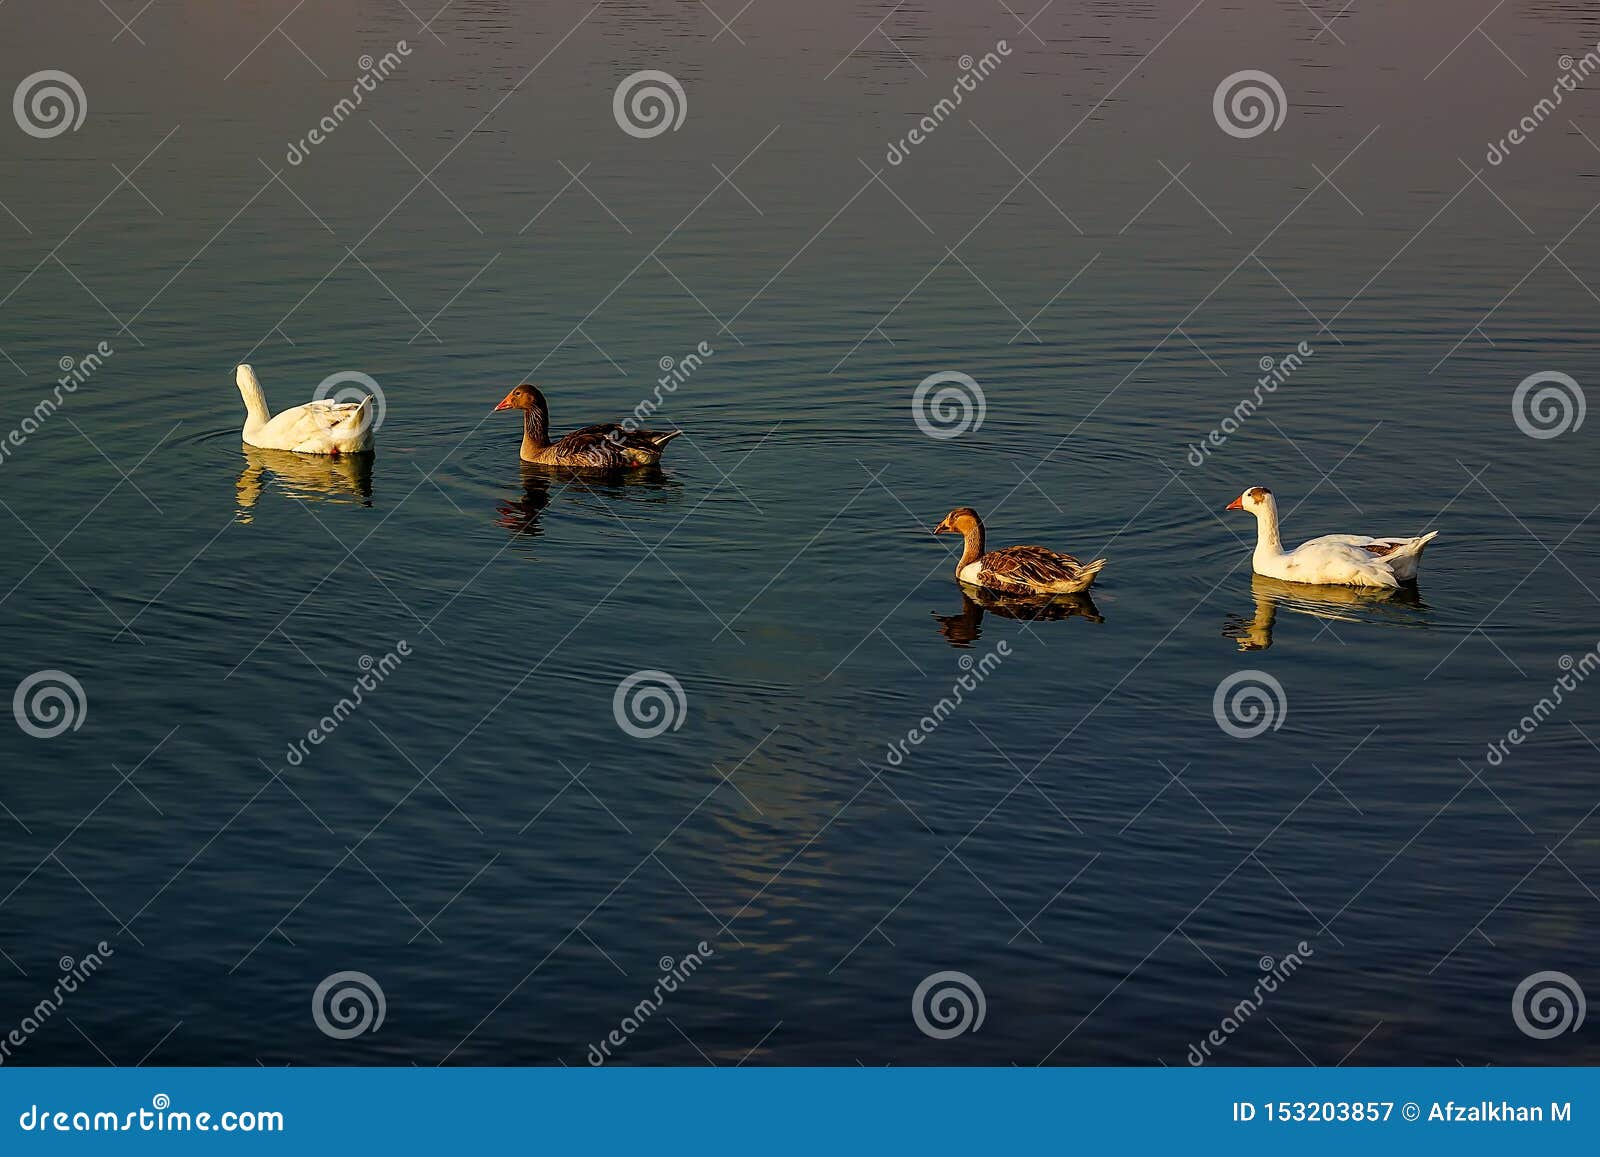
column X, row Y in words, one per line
column 596, row 446
column 310, row 420
column 1023, row 569
column 1340, row 558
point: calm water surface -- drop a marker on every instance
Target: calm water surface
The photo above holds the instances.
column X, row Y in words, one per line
column 1080, row 837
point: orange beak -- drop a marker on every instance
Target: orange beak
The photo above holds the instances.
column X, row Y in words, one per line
column 1237, row 503
column 943, row 527
column 505, row 402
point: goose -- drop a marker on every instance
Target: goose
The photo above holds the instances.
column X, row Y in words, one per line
column 605, row 447
column 1014, row 570
column 314, row 428
column 1332, row 560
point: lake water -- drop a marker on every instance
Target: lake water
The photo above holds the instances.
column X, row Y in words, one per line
column 1080, row 837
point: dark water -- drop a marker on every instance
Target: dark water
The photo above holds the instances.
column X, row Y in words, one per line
column 1079, row 236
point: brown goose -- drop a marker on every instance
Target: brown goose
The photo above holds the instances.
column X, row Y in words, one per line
column 607, row 447
column 1014, row 570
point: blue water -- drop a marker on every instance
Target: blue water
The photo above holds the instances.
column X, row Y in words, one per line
column 485, row 841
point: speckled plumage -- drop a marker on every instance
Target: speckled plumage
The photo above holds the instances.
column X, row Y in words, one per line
column 608, row 446
column 1014, row 570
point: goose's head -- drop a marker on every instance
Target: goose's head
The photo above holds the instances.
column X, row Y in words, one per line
column 245, row 378
column 961, row 520
column 1257, row 500
column 524, row 397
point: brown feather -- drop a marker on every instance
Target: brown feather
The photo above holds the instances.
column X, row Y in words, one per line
column 1025, row 568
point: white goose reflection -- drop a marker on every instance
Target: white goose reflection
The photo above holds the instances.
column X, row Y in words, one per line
column 1402, row 605
column 310, row 477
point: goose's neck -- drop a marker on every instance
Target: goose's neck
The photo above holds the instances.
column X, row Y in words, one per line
column 1267, row 537
column 535, row 427
column 972, row 547
column 255, row 403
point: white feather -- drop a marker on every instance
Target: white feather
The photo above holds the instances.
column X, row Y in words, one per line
column 1333, row 559
column 314, row 428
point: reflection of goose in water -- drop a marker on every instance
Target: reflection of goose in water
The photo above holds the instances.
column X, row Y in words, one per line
column 310, row 477
column 1402, row 606
column 521, row 514
column 963, row 630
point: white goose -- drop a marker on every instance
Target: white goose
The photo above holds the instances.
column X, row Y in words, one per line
column 314, row 428
column 1332, row 560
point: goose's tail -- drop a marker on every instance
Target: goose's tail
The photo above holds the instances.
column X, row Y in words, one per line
column 1404, row 560
column 358, row 419
column 1086, row 574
